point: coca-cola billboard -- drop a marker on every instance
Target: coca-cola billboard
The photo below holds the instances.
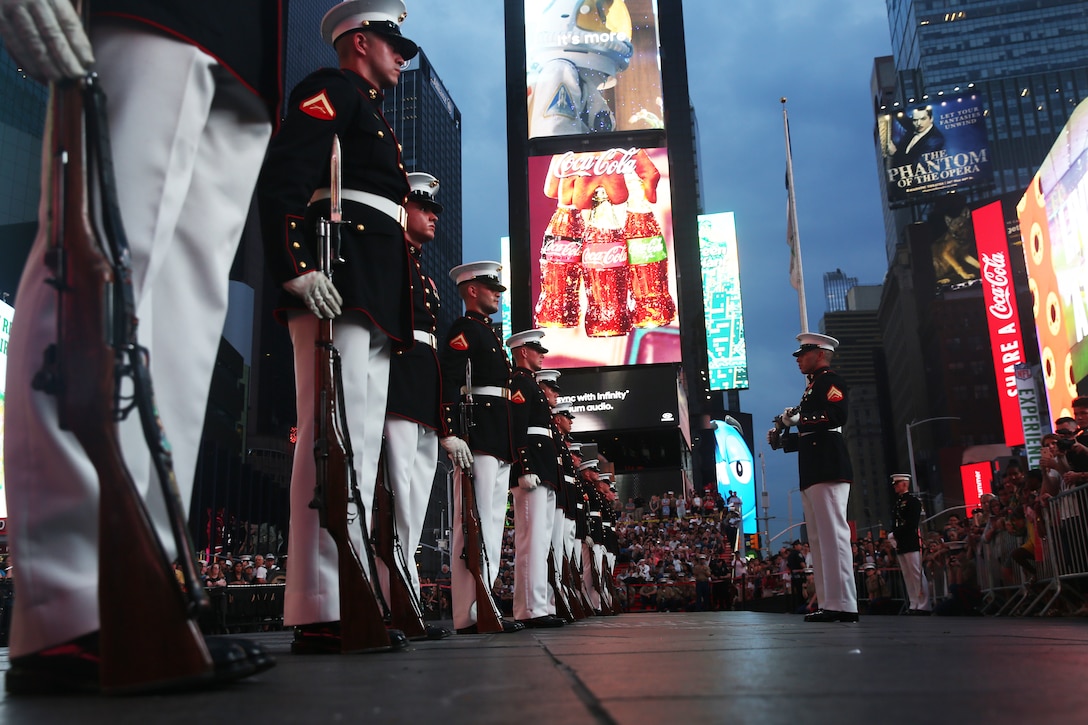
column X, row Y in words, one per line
column 1002, row 316
column 601, row 257
column 592, row 67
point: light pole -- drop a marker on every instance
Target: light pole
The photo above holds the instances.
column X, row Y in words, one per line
column 910, row 446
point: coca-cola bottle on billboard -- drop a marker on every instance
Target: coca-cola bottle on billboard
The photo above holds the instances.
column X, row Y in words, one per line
column 604, row 270
column 648, row 262
column 561, row 270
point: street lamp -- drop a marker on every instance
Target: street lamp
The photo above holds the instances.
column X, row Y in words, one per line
column 910, row 446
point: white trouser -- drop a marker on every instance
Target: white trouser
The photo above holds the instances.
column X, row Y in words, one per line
column 534, row 515
column 829, row 541
column 910, row 564
column 313, row 581
column 411, row 456
column 593, row 556
column 491, row 478
column 187, row 147
column 558, row 552
column 573, row 552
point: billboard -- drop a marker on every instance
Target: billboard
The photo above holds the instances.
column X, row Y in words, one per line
column 726, row 353
column 976, row 479
column 602, row 270
column 1053, row 216
column 623, row 398
column 1002, row 314
column 734, row 469
column 937, row 146
column 7, row 313
column 592, row 66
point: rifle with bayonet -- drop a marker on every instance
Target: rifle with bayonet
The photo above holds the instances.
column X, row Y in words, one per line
column 563, row 607
column 405, row 610
column 362, row 620
column 488, row 618
column 148, row 634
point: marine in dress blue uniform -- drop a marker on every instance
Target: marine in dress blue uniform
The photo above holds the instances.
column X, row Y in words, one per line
column 369, row 294
column 825, row 475
column 413, row 418
column 534, row 480
column 487, row 448
column 906, row 518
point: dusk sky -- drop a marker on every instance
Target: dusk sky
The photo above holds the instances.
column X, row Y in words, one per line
column 743, row 56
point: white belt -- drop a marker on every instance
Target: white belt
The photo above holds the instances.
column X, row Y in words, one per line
column 494, row 391
column 568, row 479
column 391, row 209
column 596, row 514
column 425, row 337
column 829, row 430
column 538, row 431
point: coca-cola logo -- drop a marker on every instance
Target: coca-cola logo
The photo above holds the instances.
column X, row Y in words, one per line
column 612, row 161
column 604, row 255
column 996, row 273
column 561, row 250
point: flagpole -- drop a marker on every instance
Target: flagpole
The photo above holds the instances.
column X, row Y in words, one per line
column 793, row 235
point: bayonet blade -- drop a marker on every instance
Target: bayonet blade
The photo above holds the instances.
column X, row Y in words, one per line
column 336, row 213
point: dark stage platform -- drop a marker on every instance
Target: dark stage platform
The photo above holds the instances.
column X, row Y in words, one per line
column 657, row 669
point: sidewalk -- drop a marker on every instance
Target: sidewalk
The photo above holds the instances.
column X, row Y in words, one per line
column 716, row 667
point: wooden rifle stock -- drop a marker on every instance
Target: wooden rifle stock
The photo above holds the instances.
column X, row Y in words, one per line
column 568, row 582
column 405, row 610
column 563, row 607
column 147, row 634
column 598, row 582
column 362, row 621
column 488, row 618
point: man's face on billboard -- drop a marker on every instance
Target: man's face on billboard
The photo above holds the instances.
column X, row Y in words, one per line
column 921, row 120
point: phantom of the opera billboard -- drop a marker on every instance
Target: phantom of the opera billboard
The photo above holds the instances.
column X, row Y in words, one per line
column 936, row 146
column 1053, row 218
column 592, row 67
column 603, row 277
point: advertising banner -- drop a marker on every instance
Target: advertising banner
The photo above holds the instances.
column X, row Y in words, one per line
column 734, row 469
column 1053, row 216
column 1032, row 413
column 592, row 66
column 7, row 313
column 726, row 353
column 625, row 398
column 976, row 478
column 938, row 146
column 603, row 278
column 1002, row 316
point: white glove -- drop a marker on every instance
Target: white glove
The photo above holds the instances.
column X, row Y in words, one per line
column 589, row 541
column 460, row 453
column 528, row 482
column 317, row 291
column 893, row 542
column 790, row 416
column 46, row 38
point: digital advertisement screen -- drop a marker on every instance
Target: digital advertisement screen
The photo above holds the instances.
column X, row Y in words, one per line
column 592, row 66
column 1002, row 314
column 936, row 146
column 602, row 269
column 976, row 479
column 7, row 313
column 734, row 469
column 726, row 354
column 1053, row 217
column 625, row 398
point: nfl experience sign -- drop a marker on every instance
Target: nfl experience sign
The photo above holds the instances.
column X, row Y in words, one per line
column 934, row 146
column 1002, row 316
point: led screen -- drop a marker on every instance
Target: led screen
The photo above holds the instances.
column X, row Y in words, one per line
column 936, row 146
column 726, row 354
column 1053, row 219
column 603, row 277
column 592, row 66
column 627, row 398
column 7, row 312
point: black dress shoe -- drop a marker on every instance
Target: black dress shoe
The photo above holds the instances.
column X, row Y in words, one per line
column 830, row 615
column 545, row 622
column 323, row 638
column 436, row 632
column 508, row 627
column 73, row 668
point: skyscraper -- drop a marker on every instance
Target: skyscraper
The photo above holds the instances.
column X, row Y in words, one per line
column 836, row 285
column 428, row 125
